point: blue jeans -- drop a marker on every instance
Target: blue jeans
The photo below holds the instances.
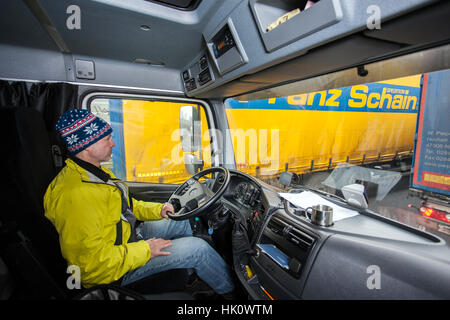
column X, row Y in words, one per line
column 186, row 251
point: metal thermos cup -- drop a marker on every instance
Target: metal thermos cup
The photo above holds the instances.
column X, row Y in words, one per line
column 321, row 215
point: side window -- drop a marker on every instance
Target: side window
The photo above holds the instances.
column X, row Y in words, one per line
column 148, row 141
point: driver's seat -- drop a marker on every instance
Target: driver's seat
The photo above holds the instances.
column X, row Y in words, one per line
column 29, row 169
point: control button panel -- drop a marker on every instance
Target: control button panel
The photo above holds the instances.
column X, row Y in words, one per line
column 198, row 74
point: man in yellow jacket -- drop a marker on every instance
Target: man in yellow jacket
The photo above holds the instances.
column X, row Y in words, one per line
column 96, row 218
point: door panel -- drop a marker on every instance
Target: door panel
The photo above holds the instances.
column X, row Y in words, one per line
column 153, row 192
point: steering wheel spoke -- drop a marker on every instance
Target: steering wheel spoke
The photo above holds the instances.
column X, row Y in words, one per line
column 180, row 212
column 193, row 197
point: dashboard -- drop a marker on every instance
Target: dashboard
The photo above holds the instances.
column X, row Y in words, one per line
column 244, row 197
column 246, row 193
column 290, row 258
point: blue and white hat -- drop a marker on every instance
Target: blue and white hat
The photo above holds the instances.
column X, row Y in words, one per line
column 81, row 128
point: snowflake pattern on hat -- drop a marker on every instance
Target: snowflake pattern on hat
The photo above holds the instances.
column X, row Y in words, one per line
column 91, row 128
column 80, row 128
column 72, row 139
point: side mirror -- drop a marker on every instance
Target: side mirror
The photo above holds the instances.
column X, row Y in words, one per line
column 288, row 178
column 190, row 129
column 192, row 163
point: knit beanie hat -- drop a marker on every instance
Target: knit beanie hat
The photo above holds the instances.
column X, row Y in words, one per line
column 81, row 128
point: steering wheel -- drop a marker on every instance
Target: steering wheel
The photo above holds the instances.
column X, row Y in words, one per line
column 193, row 198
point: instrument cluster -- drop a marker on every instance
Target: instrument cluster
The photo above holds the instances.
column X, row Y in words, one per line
column 246, row 193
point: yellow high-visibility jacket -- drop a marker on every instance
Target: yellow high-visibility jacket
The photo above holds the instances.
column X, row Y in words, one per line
column 85, row 211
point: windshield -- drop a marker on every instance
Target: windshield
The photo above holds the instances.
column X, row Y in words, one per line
column 340, row 139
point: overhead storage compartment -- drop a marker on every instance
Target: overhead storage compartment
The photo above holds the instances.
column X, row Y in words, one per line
column 400, row 35
column 281, row 22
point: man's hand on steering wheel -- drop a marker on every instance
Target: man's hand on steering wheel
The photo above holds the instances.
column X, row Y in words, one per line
column 167, row 207
column 192, row 198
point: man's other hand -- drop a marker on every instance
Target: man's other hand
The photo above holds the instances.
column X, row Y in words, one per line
column 156, row 245
column 167, row 207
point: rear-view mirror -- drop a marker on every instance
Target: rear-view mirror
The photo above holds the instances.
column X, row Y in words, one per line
column 190, row 129
column 192, row 163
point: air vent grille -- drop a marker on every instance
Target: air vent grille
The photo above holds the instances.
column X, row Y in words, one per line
column 291, row 233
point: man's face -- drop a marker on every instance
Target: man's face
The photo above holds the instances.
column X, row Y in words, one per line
column 102, row 149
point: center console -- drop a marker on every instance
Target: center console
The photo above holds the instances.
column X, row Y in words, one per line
column 280, row 247
column 283, row 253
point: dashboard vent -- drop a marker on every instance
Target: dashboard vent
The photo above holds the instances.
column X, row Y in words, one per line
column 291, row 233
column 301, row 239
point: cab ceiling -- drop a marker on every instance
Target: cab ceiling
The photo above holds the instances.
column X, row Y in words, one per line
column 147, row 31
column 119, row 28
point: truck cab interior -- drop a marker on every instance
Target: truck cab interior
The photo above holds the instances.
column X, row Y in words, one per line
column 59, row 54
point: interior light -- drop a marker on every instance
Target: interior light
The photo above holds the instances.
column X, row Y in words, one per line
column 150, row 62
column 145, row 27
